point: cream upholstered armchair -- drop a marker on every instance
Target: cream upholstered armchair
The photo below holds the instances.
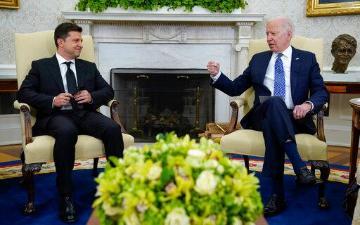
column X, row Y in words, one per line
column 248, row 142
column 39, row 150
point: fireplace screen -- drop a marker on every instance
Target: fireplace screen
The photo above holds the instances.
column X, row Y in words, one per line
column 163, row 100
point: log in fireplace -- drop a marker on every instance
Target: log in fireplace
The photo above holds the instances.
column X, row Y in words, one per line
column 163, row 100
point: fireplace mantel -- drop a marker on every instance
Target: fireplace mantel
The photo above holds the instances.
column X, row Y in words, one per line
column 170, row 40
column 122, row 15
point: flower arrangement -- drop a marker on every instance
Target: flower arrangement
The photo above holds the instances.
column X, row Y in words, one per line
column 224, row 6
column 177, row 181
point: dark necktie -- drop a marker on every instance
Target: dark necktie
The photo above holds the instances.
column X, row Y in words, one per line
column 71, row 84
column 279, row 79
column 70, row 79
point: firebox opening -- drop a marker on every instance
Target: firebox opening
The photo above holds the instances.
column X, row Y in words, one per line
column 163, row 100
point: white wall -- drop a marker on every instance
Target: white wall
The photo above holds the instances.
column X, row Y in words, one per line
column 35, row 15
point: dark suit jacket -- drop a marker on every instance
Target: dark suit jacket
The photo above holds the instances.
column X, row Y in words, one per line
column 44, row 82
column 306, row 82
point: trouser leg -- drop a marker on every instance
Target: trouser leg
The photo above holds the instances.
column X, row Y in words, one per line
column 275, row 123
column 105, row 129
column 65, row 132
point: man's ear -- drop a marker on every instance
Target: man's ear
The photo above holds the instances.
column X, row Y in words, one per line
column 60, row 42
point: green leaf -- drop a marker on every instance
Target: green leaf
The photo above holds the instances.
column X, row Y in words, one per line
column 224, row 6
column 167, row 175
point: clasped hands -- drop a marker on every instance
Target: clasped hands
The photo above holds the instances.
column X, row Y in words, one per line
column 80, row 97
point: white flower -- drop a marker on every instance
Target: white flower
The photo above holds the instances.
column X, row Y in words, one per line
column 141, row 207
column 177, row 217
column 236, row 163
column 206, row 183
column 211, row 164
column 194, row 162
column 236, row 221
column 154, row 172
column 109, row 210
column 132, row 219
column 211, row 220
column 239, row 200
column 195, row 157
column 196, row 153
column 220, row 169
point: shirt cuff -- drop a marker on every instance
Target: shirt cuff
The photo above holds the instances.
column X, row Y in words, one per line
column 312, row 105
column 214, row 78
column 52, row 104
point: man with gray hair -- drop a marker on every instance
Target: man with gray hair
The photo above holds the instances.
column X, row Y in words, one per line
column 282, row 79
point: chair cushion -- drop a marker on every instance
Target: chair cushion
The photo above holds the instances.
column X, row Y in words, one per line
column 251, row 142
column 87, row 147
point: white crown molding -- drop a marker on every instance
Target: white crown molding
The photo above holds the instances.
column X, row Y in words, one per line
column 7, row 71
column 163, row 16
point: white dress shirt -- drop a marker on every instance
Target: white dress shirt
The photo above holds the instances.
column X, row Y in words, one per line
column 270, row 75
column 63, row 69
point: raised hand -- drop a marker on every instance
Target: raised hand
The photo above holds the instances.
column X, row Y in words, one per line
column 213, row 68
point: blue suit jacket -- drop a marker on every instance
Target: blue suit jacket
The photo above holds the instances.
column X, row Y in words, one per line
column 306, row 82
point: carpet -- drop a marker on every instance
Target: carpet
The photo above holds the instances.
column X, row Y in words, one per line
column 301, row 201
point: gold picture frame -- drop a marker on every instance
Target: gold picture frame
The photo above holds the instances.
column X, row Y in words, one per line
column 9, row 4
column 332, row 7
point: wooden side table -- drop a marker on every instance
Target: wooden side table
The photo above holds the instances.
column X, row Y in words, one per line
column 8, row 85
column 355, row 131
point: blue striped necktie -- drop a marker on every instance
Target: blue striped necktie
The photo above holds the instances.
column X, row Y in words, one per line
column 279, row 79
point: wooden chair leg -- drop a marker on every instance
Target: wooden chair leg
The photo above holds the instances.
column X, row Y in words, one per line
column 324, row 168
column 28, row 171
column 246, row 161
column 95, row 172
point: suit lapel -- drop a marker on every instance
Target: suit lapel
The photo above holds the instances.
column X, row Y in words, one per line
column 55, row 71
column 263, row 65
column 294, row 71
column 80, row 74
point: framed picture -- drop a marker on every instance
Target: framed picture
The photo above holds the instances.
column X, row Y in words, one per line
column 10, row 4
column 332, row 7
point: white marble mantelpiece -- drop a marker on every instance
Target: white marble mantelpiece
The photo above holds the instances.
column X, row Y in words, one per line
column 162, row 39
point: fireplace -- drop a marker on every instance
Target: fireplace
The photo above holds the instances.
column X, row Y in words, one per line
column 137, row 39
column 163, row 100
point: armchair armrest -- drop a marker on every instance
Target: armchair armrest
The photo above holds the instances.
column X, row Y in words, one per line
column 25, row 110
column 235, row 106
column 114, row 106
column 320, row 123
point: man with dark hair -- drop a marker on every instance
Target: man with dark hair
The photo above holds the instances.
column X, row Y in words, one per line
column 66, row 91
column 288, row 90
column 343, row 49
